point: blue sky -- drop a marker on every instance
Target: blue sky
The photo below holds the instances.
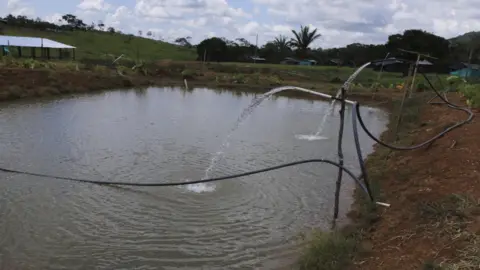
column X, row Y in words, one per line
column 340, row 22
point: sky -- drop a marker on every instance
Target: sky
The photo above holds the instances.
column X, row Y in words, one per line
column 340, row 22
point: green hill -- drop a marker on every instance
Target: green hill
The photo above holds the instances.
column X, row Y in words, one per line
column 466, row 38
column 99, row 45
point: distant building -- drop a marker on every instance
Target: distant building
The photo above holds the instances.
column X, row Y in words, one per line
column 31, row 44
column 465, row 70
column 293, row 61
column 394, row 64
column 335, row 61
column 257, row 59
column 307, row 62
column 289, row 61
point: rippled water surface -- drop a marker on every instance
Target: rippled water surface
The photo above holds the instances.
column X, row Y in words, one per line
column 161, row 135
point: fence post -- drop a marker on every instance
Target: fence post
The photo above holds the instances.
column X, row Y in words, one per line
column 340, row 157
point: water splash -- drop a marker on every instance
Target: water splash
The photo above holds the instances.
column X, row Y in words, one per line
column 226, row 142
column 331, row 108
column 201, row 188
column 310, row 137
column 255, row 103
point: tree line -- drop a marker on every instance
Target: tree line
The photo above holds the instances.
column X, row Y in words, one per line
column 465, row 48
column 444, row 52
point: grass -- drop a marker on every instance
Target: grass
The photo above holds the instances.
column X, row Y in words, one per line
column 103, row 45
column 328, row 251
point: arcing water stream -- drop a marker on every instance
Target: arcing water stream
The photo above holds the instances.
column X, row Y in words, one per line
column 253, row 105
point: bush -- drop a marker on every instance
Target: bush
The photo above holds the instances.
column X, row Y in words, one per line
column 472, row 93
column 328, row 251
column 188, row 74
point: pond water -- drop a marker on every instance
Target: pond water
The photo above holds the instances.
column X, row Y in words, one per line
column 162, row 135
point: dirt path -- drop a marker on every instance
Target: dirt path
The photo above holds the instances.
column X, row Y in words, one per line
column 434, row 192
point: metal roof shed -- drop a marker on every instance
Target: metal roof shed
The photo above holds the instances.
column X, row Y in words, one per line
column 44, row 44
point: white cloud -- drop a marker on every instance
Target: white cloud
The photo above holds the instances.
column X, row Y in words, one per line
column 55, row 18
column 19, row 7
column 340, row 22
column 98, row 5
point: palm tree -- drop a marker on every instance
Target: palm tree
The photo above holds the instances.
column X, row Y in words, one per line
column 303, row 39
column 282, row 43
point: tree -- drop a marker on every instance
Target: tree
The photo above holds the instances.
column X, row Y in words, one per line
column 244, row 42
column 282, row 44
column 91, row 27
column 418, row 41
column 184, row 41
column 101, row 25
column 74, row 22
column 149, row 33
column 111, row 30
column 140, row 32
column 214, row 48
column 303, row 39
column 277, row 49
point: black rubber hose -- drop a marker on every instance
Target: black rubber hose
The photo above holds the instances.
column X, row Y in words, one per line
column 196, row 181
column 439, row 135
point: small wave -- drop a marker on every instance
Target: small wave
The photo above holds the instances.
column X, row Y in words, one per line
column 310, row 137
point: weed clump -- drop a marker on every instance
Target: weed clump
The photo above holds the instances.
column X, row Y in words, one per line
column 328, row 251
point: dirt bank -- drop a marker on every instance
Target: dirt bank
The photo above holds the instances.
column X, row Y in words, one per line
column 434, row 192
column 23, row 83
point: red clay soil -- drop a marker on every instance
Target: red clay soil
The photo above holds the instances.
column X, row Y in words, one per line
column 449, row 166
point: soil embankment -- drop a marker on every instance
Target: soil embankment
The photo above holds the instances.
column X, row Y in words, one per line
column 23, row 82
column 434, row 192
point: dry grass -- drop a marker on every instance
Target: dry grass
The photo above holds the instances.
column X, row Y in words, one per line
column 452, row 217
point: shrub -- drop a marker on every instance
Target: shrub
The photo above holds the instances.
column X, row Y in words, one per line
column 328, row 251
column 472, row 93
column 188, row 74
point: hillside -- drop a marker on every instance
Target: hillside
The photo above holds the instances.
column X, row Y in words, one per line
column 97, row 44
column 466, row 38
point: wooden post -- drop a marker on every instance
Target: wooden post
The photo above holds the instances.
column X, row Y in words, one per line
column 48, row 53
column 33, row 52
column 19, row 51
column 414, row 75
column 340, row 158
column 73, row 54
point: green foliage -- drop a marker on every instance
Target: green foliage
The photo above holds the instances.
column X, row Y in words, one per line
column 328, row 251
column 304, row 38
column 472, row 93
column 239, row 78
column 188, row 74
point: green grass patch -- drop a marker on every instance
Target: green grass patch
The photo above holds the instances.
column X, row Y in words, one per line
column 328, row 251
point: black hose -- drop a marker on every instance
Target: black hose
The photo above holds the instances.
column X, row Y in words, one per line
column 196, row 181
column 439, row 135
